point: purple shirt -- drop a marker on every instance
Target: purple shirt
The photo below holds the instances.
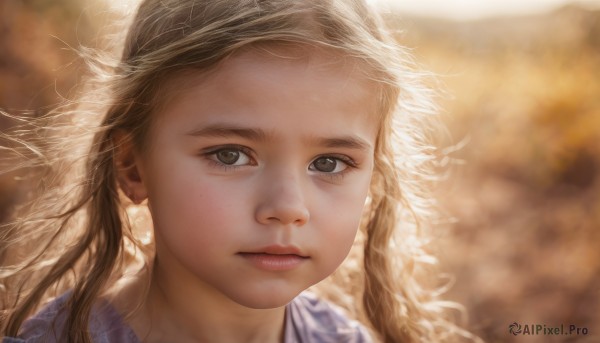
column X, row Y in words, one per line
column 307, row 320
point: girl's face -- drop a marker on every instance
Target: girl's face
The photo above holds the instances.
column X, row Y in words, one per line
column 258, row 172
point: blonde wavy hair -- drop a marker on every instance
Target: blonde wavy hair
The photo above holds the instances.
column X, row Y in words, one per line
column 79, row 231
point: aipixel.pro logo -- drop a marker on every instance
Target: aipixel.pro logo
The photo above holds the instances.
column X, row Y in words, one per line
column 514, row 328
column 545, row 330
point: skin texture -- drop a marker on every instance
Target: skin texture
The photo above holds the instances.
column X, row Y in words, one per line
column 269, row 149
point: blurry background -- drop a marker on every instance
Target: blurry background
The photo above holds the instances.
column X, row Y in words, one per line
column 523, row 93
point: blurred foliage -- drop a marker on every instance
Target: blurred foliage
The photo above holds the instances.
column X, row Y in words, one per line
column 38, row 64
column 36, row 37
column 524, row 93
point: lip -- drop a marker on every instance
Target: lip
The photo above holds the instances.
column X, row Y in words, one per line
column 275, row 257
column 278, row 250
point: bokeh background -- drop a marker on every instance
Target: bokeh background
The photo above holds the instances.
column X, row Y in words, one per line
column 522, row 105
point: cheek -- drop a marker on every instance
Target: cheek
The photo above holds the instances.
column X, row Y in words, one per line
column 193, row 214
column 338, row 218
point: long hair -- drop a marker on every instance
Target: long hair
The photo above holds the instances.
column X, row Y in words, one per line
column 82, row 224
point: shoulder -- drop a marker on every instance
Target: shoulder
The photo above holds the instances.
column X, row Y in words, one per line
column 310, row 319
column 45, row 326
column 105, row 325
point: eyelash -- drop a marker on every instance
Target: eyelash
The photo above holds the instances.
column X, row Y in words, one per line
column 211, row 152
column 336, row 177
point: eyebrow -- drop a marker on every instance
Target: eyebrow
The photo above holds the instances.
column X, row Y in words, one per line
column 220, row 130
column 348, row 142
column 255, row 134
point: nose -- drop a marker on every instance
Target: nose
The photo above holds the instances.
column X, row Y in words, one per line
column 282, row 201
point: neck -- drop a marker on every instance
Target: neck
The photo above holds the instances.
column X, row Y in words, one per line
column 191, row 311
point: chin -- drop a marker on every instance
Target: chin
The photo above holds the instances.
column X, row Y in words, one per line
column 266, row 298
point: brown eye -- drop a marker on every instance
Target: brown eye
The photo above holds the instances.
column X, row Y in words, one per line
column 328, row 164
column 325, row 164
column 228, row 156
column 231, row 156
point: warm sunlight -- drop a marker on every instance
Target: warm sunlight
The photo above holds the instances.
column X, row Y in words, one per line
column 476, row 9
column 513, row 162
column 453, row 9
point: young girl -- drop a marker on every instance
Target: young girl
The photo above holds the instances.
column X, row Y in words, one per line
column 232, row 159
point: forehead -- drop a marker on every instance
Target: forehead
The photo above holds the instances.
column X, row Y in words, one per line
column 306, row 55
column 289, row 80
column 343, row 73
column 286, row 93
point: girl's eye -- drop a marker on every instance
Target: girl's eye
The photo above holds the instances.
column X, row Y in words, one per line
column 328, row 164
column 231, row 157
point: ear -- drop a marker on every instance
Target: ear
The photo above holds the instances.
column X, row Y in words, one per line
column 128, row 167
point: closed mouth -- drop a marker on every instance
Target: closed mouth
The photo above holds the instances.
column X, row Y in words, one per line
column 275, row 258
column 274, row 262
column 276, row 250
